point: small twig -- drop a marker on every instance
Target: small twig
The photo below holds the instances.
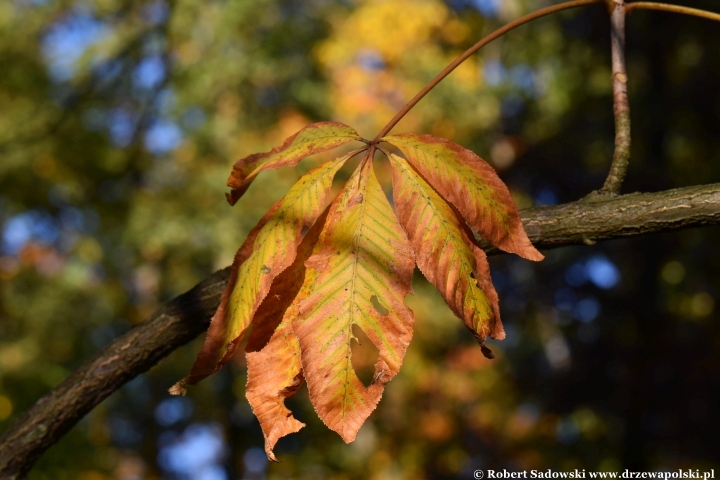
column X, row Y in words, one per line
column 470, row 51
column 621, row 105
column 672, row 8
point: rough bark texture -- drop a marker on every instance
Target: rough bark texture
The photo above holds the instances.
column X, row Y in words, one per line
column 597, row 218
column 587, row 221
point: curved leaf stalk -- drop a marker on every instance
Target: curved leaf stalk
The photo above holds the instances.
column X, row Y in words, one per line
column 666, row 7
column 470, row 51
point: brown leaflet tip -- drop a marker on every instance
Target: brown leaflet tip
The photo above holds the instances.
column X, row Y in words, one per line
column 270, row 443
column 498, row 332
column 348, row 438
column 487, row 352
column 533, row 254
column 233, row 196
column 178, row 389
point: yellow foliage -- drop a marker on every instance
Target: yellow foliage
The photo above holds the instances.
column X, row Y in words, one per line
column 375, row 26
column 380, row 56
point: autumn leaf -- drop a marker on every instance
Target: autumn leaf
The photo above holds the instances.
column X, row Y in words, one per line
column 269, row 250
column 314, row 138
column 362, row 254
column 304, row 280
column 471, row 186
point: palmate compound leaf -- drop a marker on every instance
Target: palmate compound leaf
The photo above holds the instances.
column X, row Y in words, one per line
column 445, row 253
column 269, row 249
column 312, row 139
column 472, row 186
column 304, row 283
column 363, row 256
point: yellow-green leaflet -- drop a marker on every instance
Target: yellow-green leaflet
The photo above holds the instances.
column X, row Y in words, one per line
column 314, row 138
column 273, row 351
column 363, row 253
column 257, row 264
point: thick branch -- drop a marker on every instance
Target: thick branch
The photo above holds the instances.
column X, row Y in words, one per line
column 621, row 105
column 185, row 317
column 604, row 218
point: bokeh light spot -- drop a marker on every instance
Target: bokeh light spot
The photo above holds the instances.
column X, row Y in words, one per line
column 587, row 309
column 602, row 272
column 255, row 460
column 173, row 410
column 6, row 407
column 673, row 272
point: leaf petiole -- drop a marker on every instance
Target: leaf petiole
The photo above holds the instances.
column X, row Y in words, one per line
column 470, row 51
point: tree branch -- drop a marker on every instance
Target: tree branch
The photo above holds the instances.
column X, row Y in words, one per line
column 672, row 8
column 595, row 219
column 621, row 105
column 187, row 316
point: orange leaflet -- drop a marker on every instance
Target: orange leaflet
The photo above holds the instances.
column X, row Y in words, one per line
column 444, row 252
column 269, row 250
column 273, row 351
column 471, row 186
column 314, row 138
column 362, row 255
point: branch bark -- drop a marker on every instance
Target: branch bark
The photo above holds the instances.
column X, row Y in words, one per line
column 621, row 105
column 185, row 317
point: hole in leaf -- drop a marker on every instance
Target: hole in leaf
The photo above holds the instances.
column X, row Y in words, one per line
column 364, row 356
column 472, row 275
column 291, row 389
column 378, row 306
column 304, row 230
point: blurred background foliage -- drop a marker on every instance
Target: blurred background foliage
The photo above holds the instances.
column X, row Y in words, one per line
column 119, row 124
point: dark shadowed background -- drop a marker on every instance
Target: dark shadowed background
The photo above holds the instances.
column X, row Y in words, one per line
column 119, row 124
